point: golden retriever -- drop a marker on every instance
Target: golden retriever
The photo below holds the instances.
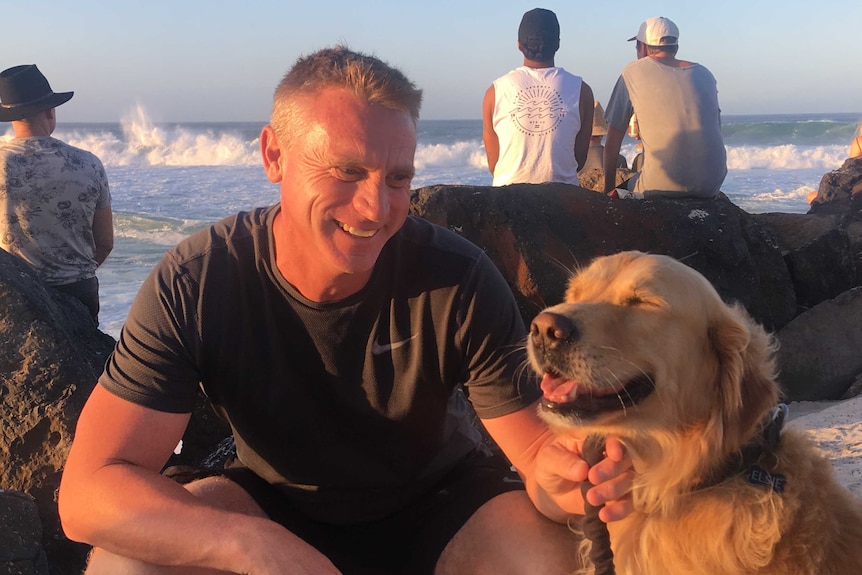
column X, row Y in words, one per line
column 644, row 349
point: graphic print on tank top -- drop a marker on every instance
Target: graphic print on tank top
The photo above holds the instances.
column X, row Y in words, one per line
column 538, row 110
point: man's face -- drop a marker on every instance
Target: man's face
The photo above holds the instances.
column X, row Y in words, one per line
column 345, row 185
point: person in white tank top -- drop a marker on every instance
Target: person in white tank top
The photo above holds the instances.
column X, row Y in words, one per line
column 537, row 118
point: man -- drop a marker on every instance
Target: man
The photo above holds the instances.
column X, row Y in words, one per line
column 55, row 205
column 333, row 333
column 596, row 153
column 536, row 119
column 678, row 119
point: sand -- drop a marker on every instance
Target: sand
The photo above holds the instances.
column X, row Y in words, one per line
column 836, row 426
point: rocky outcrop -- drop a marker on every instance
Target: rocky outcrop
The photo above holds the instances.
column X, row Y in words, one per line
column 819, row 354
column 536, row 234
column 840, row 190
column 50, row 358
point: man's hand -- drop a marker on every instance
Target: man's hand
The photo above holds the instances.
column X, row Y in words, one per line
column 612, row 480
column 561, row 468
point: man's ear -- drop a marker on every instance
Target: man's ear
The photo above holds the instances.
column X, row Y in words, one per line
column 270, row 150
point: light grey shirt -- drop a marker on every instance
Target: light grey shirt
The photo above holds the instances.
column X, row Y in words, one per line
column 680, row 126
column 49, row 192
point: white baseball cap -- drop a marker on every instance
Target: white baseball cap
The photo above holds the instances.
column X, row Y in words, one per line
column 658, row 31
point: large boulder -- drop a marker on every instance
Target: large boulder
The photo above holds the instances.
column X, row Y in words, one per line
column 819, row 353
column 537, row 233
column 823, row 252
column 51, row 355
column 823, row 249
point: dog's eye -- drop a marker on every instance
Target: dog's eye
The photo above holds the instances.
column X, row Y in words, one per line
column 633, row 300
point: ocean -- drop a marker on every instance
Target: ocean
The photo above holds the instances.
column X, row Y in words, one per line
column 171, row 179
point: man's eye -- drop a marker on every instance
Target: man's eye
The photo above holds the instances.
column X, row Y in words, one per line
column 400, row 180
column 348, row 173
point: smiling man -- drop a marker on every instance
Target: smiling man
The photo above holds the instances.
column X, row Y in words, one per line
column 335, row 334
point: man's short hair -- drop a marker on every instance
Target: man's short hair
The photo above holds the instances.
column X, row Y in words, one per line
column 339, row 67
column 668, row 48
column 539, row 34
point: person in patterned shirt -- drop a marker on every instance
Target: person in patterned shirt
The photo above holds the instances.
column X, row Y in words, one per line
column 55, row 204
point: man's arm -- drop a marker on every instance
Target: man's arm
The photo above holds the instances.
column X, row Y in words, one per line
column 113, row 497
column 552, row 468
column 613, row 141
column 103, row 233
column 489, row 136
column 582, row 140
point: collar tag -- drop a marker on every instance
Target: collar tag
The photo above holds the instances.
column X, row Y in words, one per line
column 761, row 477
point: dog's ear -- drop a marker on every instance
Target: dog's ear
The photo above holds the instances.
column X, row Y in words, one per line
column 745, row 380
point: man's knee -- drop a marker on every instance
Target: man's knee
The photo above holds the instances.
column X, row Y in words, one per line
column 508, row 536
column 222, row 493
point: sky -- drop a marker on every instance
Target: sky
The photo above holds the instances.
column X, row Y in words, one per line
column 220, row 60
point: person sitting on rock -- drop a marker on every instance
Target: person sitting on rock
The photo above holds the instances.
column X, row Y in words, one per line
column 596, row 153
column 856, row 144
column 536, row 118
column 678, row 118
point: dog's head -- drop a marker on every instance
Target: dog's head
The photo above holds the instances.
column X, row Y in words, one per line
column 643, row 344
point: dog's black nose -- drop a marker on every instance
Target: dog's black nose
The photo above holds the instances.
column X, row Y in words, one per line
column 547, row 329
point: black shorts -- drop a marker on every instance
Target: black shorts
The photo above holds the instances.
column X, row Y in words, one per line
column 408, row 542
column 87, row 291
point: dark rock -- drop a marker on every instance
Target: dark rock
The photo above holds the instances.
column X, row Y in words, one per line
column 840, row 190
column 823, row 252
column 537, row 233
column 819, row 355
column 21, row 551
column 205, row 430
column 51, row 355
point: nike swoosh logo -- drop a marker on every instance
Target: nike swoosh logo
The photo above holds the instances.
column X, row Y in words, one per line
column 377, row 348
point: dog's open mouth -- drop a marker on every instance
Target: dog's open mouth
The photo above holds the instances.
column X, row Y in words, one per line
column 589, row 403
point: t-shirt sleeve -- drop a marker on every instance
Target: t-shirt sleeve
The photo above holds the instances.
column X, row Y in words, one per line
column 619, row 110
column 153, row 363
column 498, row 381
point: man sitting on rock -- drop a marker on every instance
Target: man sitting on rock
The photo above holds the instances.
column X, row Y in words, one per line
column 678, row 118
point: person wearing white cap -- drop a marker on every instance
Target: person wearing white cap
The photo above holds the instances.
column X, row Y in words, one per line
column 678, row 117
column 55, row 204
column 536, row 119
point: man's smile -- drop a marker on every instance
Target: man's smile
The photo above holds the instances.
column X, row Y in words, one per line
column 356, row 231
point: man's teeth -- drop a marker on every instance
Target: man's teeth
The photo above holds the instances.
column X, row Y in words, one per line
column 357, row 232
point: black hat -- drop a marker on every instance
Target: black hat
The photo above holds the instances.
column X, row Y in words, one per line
column 539, row 25
column 24, row 92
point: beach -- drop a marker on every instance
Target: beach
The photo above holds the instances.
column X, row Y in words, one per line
column 837, row 429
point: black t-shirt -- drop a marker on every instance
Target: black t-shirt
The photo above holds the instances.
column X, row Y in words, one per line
column 352, row 407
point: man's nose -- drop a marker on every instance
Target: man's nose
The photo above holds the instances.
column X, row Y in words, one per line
column 372, row 198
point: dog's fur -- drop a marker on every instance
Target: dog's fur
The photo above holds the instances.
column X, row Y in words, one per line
column 634, row 317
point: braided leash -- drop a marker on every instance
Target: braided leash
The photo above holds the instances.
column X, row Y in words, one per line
column 595, row 529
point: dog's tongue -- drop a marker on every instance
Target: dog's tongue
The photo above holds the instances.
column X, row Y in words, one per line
column 557, row 389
